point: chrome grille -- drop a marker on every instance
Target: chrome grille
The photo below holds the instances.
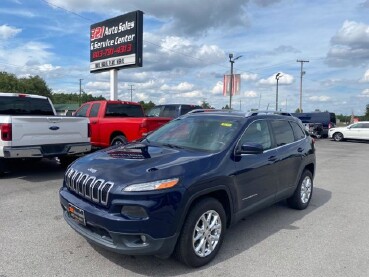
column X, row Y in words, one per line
column 89, row 187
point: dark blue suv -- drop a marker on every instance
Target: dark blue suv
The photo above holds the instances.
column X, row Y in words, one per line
column 181, row 187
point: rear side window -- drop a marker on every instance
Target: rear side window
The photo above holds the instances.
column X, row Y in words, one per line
column 187, row 108
column 298, row 132
column 95, row 110
column 123, row 110
column 283, row 132
column 169, row 111
column 14, row 105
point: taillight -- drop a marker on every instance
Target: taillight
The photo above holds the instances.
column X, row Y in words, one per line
column 89, row 130
column 6, row 131
column 143, row 130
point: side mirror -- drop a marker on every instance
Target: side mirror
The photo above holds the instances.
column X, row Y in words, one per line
column 251, row 148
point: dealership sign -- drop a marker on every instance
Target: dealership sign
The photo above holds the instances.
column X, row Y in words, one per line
column 117, row 42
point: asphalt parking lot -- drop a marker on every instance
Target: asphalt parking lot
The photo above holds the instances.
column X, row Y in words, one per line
column 329, row 238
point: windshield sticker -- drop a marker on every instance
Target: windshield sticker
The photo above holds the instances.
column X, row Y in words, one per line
column 226, row 124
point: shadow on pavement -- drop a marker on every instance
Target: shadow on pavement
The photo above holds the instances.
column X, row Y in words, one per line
column 239, row 238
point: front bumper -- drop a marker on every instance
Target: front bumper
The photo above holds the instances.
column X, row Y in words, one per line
column 113, row 232
column 36, row 151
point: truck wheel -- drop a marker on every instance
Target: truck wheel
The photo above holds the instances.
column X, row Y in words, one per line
column 302, row 195
column 66, row 161
column 118, row 140
column 202, row 233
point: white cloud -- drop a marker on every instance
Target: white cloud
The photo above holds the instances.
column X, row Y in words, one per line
column 47, row 67
column 7, row 32
column 364, row 93
column 365, row 78
column 249, row 76
column 250, row 94
column 350, row 45
column 185, row 86
column 321, row 98
column 97, row 86
column 218, row 88
column 286, row 79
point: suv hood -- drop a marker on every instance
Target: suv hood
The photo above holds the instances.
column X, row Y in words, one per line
column 138, row 162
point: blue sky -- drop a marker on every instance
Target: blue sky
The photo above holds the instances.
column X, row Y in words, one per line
column 186, row 47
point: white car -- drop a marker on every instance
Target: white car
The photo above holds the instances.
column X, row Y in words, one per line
column 359, row 130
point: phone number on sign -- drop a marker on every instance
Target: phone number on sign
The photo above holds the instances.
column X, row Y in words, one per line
column 111, row 51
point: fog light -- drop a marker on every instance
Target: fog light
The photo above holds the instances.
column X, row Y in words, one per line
column 134, row 212
column 143, row 238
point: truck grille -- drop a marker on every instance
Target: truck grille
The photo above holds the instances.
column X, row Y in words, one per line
column 87, row 186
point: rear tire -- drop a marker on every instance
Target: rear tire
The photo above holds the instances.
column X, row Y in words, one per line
column 338, row 136
column 202, row 233
column 302, row 195
column 118, row 140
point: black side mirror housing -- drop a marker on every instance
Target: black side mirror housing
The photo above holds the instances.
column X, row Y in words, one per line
column 251, row 148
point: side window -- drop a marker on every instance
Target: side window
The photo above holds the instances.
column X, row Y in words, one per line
column 169, row 111
column 366, row 125
column 82, row 112
column 257, row 132
column 298, row 132
column 358, row 125
column 95, row 109
column 283, row 132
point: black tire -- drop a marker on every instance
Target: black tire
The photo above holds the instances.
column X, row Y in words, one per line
column 303, row 193
column 338, row 136
column 118, row 140
column 185, row 251
column 65, row 161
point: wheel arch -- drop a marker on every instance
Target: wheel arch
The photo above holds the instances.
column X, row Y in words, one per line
column 115, row 134
column 220, row 193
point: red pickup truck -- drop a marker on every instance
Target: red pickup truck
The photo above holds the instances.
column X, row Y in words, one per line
column 115, row 122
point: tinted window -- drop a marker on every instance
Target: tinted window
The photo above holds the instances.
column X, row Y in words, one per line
column 169, row 111
column 155, row 111
column 187, row 108
column 123, row 110
column 257, row 132
column 14, row 105
column 298, row 132
column 82, row 112
column 365, row 125
column 95, row 110
column 283, row 132
column 358, row 125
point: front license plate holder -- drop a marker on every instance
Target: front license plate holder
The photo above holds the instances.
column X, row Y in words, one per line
column 77, row 214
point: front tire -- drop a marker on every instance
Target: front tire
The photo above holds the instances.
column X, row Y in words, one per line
column 202, row 233
column 302, row 195
column 338, row 136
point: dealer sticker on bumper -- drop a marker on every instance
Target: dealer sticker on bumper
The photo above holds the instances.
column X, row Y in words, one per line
column 77, row 214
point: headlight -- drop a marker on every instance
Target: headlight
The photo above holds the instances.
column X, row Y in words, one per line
column 156, row 185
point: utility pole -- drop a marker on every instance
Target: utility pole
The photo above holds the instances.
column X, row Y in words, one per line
column 80, row 92
column 301, row 74
column 131, row 89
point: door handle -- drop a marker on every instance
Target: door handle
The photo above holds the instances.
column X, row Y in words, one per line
column 272, row 158
column 300, row 149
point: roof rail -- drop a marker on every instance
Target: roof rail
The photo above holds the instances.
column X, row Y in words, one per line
column 253, row 113
column 209, row 110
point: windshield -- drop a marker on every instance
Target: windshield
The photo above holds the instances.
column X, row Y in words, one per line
column 208, row 133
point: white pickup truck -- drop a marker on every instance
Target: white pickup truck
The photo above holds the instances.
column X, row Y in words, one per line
column 29, row 128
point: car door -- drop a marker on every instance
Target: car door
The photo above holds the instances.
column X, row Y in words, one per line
column 94, row 123
column 255, row 173
column 365, row 131
column 354, row 131
column 290, row 149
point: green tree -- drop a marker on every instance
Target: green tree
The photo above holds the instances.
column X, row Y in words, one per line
column 8, row 82
column 205, row 105
column 34, row 85
column 147, row 106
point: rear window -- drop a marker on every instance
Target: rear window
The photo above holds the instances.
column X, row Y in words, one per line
column 123, row 110
column 14, row 105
